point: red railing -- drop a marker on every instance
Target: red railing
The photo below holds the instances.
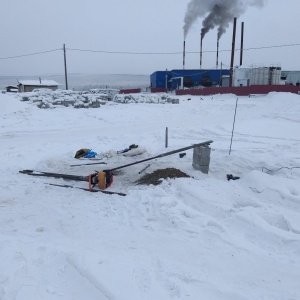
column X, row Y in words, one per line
column 129, row 91
column 241, row 90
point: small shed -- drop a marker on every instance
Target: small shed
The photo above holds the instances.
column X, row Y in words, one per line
column 30, row 85
column 11, row 89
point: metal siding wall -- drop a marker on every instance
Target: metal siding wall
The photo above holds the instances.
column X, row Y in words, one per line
column 161, row 79
column 152, row 80
column 176, row 83
column 197, row 75
column 158, row 78
column 293, row 77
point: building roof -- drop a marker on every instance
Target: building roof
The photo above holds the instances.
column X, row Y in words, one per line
column 39, row 83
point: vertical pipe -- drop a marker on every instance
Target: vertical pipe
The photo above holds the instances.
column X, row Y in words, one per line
column 166, row 80
column 183, row 55
column 242, row 44
column 201, row 52
column 217, row 64
column 232, row 52
column 166, row 138
column 65, row 61
column 220, row 79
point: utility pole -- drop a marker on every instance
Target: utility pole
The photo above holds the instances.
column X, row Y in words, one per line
column 65, row 61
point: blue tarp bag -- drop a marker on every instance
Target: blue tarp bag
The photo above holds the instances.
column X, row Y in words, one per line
column 90, row 154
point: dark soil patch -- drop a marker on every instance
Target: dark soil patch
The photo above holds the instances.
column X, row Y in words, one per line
column 156, row 177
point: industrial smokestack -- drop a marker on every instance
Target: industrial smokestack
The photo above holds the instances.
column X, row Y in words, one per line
column 217, row 64
column 201, row 40
column 242, row 44
column 183, row 54
column 232, row 52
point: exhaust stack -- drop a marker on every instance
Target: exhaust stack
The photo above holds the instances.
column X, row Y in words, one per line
column 242, row 44
column 201, row 52
column 232, row 52
column 217, row 63
column 183, row 55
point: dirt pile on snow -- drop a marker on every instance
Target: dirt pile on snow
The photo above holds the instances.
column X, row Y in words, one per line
column 156, row 177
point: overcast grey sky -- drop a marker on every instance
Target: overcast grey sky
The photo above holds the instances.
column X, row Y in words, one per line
column 140, row 26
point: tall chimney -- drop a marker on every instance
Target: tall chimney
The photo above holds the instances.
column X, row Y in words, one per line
column 242, row 44
column 217, row 64
column 201, row 52
column 232, row 52
column 183, row 54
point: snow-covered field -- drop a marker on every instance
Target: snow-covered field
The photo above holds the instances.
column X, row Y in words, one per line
column 188, row 238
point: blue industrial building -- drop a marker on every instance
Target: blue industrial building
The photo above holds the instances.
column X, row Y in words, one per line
column 175, row 79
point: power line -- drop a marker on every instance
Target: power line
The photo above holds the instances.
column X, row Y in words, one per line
column 30, row 54
column 148, row 53
column 264, row 47
column 125, row 52
column 252, row 48
column 172, row 53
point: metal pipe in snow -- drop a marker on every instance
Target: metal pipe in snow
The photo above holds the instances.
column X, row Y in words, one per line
column 144, row 169
column 207, row 143
column 166, row 138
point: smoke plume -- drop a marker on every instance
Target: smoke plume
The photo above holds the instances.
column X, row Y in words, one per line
column 217, row 13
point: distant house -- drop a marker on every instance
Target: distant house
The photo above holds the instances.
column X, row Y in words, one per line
column 30, row 85
column 11, row 89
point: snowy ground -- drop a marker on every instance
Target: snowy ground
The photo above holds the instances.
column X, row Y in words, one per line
column 188, row 238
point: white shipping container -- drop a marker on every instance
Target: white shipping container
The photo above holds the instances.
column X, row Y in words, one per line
column 265, row 76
